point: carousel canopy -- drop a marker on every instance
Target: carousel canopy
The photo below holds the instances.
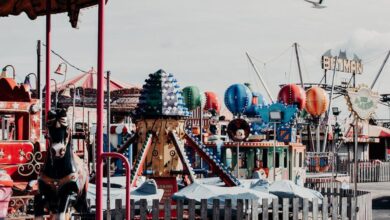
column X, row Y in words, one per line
column 89, row 81
column 35, row 8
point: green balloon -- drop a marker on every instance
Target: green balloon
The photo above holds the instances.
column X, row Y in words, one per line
column 192, row 97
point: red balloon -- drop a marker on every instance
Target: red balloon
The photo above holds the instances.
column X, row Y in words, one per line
column 212, row 102
column 292, row 94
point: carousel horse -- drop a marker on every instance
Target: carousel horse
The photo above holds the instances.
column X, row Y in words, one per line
column 63, row 180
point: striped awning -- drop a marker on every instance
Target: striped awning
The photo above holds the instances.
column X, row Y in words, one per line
column 89, row 81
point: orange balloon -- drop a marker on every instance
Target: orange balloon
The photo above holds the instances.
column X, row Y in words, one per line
column 316, row 101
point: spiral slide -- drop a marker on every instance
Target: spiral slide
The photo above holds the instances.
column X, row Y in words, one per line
column 214, row 162
column 140, row 160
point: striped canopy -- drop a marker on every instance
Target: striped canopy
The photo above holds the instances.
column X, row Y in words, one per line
column 89, row 81
column 35, row 8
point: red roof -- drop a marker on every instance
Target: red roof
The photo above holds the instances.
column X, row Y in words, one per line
column 89, row 81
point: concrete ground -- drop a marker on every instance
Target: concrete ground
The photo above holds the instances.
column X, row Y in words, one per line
column 380, row 192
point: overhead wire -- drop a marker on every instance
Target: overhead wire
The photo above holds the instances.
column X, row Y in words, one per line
column 66, row 61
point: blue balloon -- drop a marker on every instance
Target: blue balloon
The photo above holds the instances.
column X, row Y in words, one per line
column 252, row 111
column 238, row 98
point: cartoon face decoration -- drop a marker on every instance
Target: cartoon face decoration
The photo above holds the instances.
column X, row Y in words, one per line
column 214, row 120
column 240, row 134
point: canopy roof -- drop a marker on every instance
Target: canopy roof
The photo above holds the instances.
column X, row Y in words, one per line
column 89, row 81
column 35, row 8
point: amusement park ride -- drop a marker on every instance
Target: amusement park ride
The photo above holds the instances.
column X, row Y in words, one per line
column 180, row 135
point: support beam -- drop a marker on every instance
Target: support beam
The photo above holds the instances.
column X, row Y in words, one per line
column 48, row 47
column 380, row 70
column 260, row 77
column 329, row 109
column 100, row 106
column 299, row 64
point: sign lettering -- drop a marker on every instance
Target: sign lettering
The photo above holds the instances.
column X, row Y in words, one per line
column 342, row 65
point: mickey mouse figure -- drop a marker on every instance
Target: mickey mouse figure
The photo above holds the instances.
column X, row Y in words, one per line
column 240, row 135
column 213, row 121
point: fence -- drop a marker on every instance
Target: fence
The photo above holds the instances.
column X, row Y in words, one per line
column 339, row 204
column 371, row 171
column 368, row 171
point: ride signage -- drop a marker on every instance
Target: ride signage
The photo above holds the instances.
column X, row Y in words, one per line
column 362, row 101
column 342, row 64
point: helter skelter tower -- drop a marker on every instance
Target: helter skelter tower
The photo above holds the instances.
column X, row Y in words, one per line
column 160, row 111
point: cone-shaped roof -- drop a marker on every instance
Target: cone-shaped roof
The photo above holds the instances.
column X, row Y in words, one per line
column 88, row 80
column 161, row 96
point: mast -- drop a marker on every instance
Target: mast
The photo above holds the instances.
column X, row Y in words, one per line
column 260, row 77
column 299, row 64
column 380, row 70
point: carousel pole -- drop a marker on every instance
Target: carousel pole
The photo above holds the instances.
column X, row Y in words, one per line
column 100, row 106
column 108, row 145
column 48, row 48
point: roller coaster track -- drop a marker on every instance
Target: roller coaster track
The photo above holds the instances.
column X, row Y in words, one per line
column 140, row 160
column 214, row 162
column 183, row 156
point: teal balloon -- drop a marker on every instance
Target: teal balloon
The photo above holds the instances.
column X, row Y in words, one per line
column 192, row 97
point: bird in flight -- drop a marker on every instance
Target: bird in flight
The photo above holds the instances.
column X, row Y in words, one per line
column 316, row 4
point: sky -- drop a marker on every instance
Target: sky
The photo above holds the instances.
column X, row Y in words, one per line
column 203, row 42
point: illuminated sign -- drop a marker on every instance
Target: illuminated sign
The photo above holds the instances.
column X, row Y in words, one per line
column 342, row 63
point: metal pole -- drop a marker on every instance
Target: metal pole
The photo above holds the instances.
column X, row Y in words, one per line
column 261, row 78
column 55, row 93
column 100, row 107
column 380, row 70
column 327, row 111
column 74, row 106
column 48, row 47
column 109, row 145
column 238, row 157
column 83, row 106
column 355, row 161
column 127, row 167
column 38, row 88
column 200, row 123
column 299, row 64
column 274, row 160
column 318, row 137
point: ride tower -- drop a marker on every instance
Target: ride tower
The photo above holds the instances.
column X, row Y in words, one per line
column 160, row 111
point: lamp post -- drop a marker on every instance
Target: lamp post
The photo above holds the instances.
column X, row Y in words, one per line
column 55, row 93
column 336, row 131
column 4, row 71
column 61, row 71
column 27, row 81
column 275, row 117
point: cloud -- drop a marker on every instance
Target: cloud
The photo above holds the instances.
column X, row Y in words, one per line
column 366, row 43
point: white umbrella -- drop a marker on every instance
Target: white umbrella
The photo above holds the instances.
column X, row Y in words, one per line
column 198, row 191
column 287, row 189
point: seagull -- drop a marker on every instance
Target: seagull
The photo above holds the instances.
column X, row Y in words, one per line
column 316, row 4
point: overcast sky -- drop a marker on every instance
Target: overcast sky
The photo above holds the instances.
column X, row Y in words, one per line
column 203, row 42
